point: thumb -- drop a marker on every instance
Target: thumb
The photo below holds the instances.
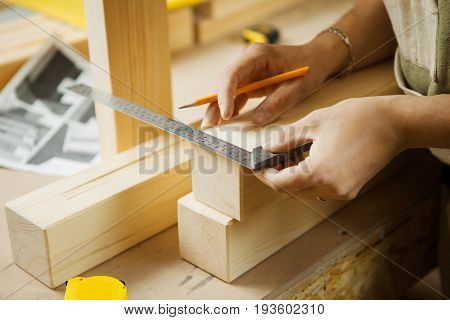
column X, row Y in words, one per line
column 290, row 138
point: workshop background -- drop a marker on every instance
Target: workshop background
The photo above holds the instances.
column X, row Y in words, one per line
column 47, row 132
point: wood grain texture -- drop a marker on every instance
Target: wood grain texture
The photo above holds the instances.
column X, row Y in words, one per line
column 76, row 223
column 166, row 276
column 234, row 190
column 129, row 51
column 359, row 272
column 227, row 248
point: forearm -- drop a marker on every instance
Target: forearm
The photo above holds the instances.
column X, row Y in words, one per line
column 422, row 121
column 370, row 32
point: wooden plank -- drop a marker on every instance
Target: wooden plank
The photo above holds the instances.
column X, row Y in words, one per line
column 74, row 224
column 235, row 191
column 129, row 50
column 228, row 248
column 389, row 227
column 181, row 29
column 210, row 29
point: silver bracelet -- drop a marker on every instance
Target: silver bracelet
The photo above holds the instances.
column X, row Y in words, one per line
column 346, row 40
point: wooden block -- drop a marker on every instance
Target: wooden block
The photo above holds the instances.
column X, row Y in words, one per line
column 129, row 51
column 76, row 223
column 181, row 29
column 209, row 29
column 227, row 248
column 234, row 190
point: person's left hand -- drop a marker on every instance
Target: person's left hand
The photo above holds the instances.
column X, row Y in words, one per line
column 352, row 141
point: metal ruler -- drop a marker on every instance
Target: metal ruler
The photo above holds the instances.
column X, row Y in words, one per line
column 254, row 160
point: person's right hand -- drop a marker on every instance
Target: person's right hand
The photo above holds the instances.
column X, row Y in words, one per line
column 261, row 61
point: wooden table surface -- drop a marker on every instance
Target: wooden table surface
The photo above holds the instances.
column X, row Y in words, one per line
column 153, row 269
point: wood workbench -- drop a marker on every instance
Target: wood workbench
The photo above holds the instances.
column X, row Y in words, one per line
column 336, row 266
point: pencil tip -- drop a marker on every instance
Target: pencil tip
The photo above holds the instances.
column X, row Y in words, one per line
column 186, row 106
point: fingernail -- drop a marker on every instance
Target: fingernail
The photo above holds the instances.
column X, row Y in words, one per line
column 221, row 106
column 225, row 116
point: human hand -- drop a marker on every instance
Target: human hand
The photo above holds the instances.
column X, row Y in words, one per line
column 352, row 141
column 261, row 61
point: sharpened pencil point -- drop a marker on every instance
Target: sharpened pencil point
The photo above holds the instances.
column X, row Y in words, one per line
column 187, row 106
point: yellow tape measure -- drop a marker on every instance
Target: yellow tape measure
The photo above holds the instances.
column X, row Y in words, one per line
column 95, row 288
column 261, row 33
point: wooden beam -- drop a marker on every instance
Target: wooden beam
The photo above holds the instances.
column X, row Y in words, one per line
column 129, row 51
column 227, row 248
column 76, row 223
column 235, row 191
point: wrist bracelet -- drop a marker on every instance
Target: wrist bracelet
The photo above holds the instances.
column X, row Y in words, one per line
column 346, row 40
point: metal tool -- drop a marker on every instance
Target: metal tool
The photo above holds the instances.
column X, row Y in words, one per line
column 254, row 160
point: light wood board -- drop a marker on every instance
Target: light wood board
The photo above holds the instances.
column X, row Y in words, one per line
column 76, row 223
column 129, row 53
column 227, row 248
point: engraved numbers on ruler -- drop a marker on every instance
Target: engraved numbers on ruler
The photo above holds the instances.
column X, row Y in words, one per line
column 203, row 139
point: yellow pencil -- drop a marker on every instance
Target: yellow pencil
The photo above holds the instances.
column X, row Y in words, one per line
column 254, row 86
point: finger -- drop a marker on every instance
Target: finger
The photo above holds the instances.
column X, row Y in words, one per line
column 280, row 100
column 292, row 179
column 226, row 95
column 263, row 92
column 212, row 116
column 247, row 69
column 239, row 103
column 291, row 137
